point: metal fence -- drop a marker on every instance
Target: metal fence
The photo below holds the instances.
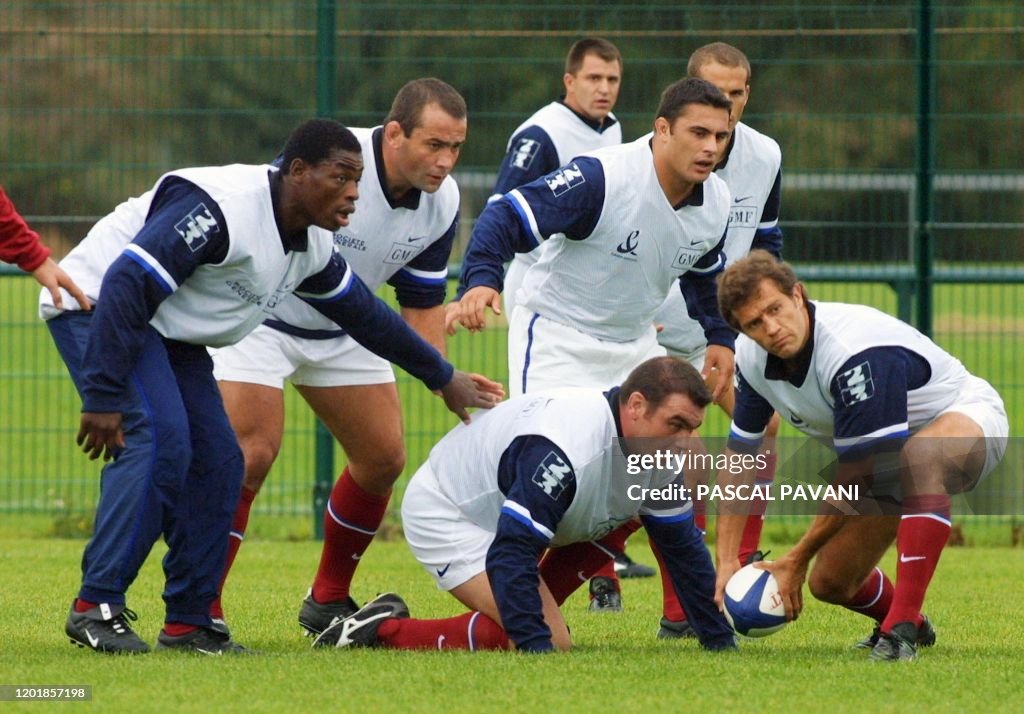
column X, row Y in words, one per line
column 899, row 124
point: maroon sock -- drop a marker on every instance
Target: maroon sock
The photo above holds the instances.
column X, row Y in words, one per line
column 84, row 605
column 671, row 608
column 874, row 598
column 470, row 631
column 235, row 538
column 177, row 629
column 920, row 538
column 565, row 569
column 350, row 523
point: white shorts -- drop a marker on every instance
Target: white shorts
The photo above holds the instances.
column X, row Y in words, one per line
column 545, row 355
column 269, row 357
column 979, row 401
column 446, row 544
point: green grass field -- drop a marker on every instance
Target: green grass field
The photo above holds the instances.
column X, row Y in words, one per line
column 617, row 664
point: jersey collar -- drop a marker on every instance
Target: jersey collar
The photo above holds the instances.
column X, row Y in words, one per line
column 297, row 241
column 794, row 370
column 612, row 395
column 609, row 120
column 411, row 199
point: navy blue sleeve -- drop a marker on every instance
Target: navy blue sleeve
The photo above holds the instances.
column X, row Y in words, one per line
column 569, row 200
column 423, row 281
column 768, row 235
column 539, row 485
column 750, row 416
column 184, row 229
column 688, row 562
column 531, row 154
column 342, row 296
column 700, row 290
column 870, row 397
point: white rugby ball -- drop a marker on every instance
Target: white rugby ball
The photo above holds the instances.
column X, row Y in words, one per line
column 753, row 605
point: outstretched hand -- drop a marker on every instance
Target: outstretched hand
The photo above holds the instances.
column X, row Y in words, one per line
column 466, row 390
column 472, row 308
column 52, row 277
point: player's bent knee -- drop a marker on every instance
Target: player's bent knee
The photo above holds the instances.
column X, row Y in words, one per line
column 259, row 457
column 831, row 589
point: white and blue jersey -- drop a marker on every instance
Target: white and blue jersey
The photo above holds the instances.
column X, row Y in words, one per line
column 540, row 471
column 549, row 139
column 752, row 168
column 865, row 380
column 613, row 246
column 201, row 259
column 552, row 137
column 403, row 242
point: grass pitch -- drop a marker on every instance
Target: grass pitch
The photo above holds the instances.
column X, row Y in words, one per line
column 617, row 664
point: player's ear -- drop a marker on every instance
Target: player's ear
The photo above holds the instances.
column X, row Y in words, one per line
column 393, row 132
column 662, row 127
column 567, row 81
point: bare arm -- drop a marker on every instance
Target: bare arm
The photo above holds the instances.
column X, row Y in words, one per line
column 429, row 324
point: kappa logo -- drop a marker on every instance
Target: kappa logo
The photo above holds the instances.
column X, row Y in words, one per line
column 856, row 385
column 552, row 475
column 524, row 153
column 197, row 227
column 565, row 179
column 629, row 246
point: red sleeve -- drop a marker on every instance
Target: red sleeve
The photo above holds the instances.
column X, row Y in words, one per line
column 18, row 243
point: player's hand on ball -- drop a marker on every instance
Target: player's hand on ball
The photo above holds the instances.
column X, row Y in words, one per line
column 470, row 390
column 100, row 434
column 722, row 575
column 790, row 573
column 474, row 304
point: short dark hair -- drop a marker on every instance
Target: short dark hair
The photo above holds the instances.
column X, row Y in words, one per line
column 690, row 90
column 315, row 140
column 407, row 107
column 591, row 46
column 718, row 53
column 741, row 282
column 660, row 377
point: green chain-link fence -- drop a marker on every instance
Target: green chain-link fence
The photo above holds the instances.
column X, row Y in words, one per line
column 899, row 124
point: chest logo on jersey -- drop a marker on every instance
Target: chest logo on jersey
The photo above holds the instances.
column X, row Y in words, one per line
column 524, row 152
column 686, row 257
column 565, row 179
column 552, row 475
column 743, row 212
column 342, row 241
column 402, row 253
column 856, row 385
column 627, row 248
column 197, row 227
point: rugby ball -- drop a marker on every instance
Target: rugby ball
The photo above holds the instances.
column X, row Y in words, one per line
column 753, row 605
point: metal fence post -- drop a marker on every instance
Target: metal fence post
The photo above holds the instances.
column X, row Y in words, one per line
column 925, row 254
column 325, row 107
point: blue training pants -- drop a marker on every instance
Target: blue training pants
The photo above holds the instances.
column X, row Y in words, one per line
column 179, row 476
